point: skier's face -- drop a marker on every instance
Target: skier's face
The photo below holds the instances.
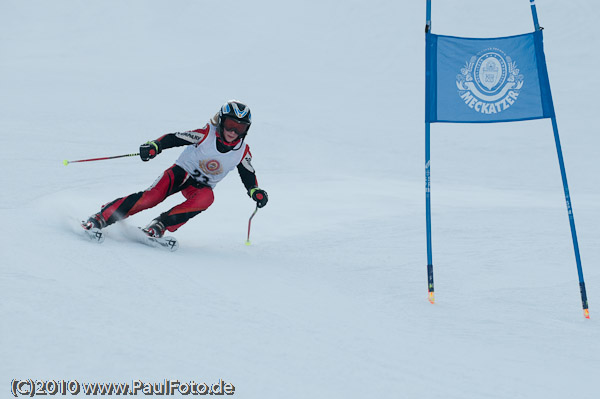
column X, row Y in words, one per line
column 230, row 135
column 232, row 129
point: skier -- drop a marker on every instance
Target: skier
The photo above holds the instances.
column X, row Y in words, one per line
column 211, row 152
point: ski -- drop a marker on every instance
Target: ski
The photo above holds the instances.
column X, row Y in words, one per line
column 95, row 235
column 136, row 234
column 166, row 242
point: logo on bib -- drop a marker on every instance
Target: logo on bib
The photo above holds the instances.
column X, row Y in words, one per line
column 212, row 167
column 489, row 82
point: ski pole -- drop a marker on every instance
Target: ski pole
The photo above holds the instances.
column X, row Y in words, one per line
column 66, row 162
column 249, row 223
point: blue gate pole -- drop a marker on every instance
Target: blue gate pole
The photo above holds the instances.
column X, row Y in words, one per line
column 428, row 167
column 563, row 174
column 428, row 18
column 536, row 24
column 428, row 212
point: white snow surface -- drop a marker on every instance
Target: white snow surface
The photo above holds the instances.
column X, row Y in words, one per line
column 330, row 300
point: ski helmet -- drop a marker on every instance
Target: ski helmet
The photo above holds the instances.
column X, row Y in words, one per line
column 238, row 113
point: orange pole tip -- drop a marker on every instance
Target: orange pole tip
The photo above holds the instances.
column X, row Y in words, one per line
column 431, row 297
column 586, row 313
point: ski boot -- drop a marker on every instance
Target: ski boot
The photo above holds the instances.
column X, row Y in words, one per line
column 95, row 221
column 155, row 229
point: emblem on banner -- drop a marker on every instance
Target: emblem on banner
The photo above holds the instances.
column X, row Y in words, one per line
column 490, row 82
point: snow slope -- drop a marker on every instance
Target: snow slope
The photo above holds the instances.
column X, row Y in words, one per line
column 329, row 301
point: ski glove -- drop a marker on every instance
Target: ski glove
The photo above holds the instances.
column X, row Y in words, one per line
column 149, row 150
column 260, row 196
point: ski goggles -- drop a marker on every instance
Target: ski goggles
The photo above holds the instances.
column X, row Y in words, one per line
column 234, row 126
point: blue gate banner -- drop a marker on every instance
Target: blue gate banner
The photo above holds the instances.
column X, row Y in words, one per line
column 486, row 80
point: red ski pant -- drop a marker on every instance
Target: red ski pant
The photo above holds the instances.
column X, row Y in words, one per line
column 173, row 180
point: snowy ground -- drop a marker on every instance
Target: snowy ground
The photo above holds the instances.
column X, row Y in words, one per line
column 329, row 301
